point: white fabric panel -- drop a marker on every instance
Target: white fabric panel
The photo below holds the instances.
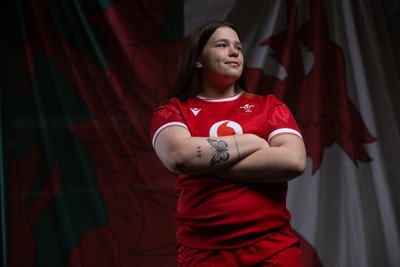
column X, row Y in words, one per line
column 349, row 211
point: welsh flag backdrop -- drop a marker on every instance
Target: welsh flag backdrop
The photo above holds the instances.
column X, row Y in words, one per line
column 80, row 183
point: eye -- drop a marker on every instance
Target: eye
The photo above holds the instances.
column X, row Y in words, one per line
column 221, row 45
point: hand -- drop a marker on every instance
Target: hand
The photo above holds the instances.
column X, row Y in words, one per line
column 260, row 142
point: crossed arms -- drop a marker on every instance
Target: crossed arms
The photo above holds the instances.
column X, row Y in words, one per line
column 244, row 157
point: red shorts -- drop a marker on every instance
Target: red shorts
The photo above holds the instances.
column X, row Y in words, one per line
column 257, row 255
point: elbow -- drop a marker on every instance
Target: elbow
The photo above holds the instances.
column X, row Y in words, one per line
column 174, row 154
column 299, row 165
column 172, row 160
column 176, row 163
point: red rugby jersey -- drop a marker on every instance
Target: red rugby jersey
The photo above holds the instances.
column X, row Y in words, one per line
column 215, row 213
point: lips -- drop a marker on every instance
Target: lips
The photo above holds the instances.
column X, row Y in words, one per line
column 233, row 63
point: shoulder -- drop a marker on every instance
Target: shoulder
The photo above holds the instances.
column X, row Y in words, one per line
column 268, row 99
column 173, row 104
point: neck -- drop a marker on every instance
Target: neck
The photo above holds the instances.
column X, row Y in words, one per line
column 220, row 92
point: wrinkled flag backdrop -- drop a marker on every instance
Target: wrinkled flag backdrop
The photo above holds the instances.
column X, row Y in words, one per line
column 80, row 183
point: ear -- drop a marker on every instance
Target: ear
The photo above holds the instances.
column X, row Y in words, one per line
column 198, row 64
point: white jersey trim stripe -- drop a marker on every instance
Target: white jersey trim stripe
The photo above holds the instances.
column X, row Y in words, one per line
column 165, row 126
column 283, row 130
column 226, row 99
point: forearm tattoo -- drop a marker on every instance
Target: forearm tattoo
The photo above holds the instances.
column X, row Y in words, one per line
column 198, row 151
column 221, row 151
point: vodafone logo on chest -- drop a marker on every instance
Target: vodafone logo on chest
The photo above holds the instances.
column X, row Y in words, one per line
column 224, row 128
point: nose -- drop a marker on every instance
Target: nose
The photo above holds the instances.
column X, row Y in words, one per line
column 233, row 52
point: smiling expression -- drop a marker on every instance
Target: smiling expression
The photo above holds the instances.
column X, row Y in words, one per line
column 221, row 61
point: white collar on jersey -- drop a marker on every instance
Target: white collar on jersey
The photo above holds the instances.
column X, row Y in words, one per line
column 222, row 99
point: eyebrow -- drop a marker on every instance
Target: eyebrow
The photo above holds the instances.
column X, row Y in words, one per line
column 227, row 41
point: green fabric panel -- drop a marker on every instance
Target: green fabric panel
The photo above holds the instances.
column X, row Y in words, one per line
column 78, row 178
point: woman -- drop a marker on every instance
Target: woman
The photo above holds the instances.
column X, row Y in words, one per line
column 232, row 153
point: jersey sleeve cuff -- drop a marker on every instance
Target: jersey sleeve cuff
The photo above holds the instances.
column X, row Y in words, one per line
column 165, row 126
column 282, row 131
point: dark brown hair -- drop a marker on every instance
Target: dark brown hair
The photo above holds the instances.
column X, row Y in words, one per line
column 188, row 83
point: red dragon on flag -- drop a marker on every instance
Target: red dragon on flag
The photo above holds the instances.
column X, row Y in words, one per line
column 318, row 98
column 138, row 191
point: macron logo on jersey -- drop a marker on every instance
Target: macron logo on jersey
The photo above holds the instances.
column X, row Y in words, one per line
column 195, row 110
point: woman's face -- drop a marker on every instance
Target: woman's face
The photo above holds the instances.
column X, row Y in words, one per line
column 222, row 58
